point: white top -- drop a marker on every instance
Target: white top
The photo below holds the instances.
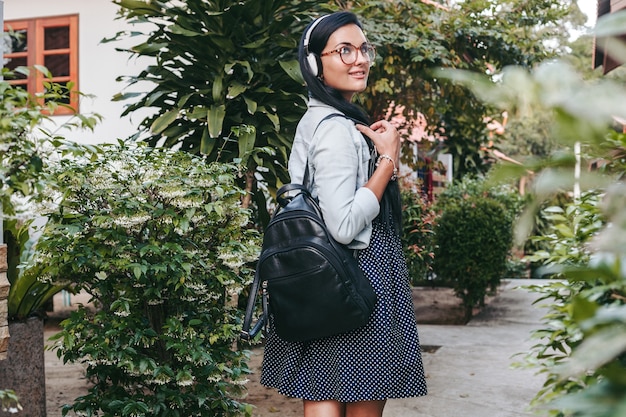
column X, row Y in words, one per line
column 338, row 168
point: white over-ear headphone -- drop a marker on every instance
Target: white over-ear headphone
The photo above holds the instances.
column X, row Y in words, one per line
column 311, row 58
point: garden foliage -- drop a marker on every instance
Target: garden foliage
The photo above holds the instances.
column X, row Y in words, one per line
column 414, row 38
column 421, row 219
column 581, row 349
column 479, row 187
column 160, row 242
column 224, row 81
column 568, row 231
column 581, row 346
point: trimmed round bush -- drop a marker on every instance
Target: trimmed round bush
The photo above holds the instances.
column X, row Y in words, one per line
column 472, row 242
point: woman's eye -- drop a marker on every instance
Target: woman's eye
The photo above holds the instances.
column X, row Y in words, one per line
column 345, row 50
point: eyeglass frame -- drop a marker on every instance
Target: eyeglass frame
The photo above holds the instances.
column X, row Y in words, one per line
column 368, row 47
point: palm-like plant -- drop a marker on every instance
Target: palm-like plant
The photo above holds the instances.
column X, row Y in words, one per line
column 226, row 82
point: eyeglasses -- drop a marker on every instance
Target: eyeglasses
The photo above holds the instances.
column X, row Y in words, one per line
column 349, row 53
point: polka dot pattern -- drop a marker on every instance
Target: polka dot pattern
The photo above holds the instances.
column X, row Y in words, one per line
column 378, row 361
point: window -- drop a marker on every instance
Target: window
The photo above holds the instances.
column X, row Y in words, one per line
column 51, row 42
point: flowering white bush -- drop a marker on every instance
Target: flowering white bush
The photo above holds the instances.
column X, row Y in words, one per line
column 160, row 241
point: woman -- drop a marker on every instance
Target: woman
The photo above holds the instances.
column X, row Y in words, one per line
column 351, row 374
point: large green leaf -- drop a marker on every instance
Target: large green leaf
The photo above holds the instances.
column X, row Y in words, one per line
column 185, row 32
column 207, row 143
column 246, row 140
column 292, row 68
column 27, row 294
column 138, row 8
column 163, row 121
column 217, row 87
column 235, row 89
column 251, row 105
column 148, row 48
column 215, row 118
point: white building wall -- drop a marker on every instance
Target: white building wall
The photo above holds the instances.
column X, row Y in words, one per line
column 99, row 63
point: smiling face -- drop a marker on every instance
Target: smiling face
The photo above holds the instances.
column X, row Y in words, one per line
column 348, row 79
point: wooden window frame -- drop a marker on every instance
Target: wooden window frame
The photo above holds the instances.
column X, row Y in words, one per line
column 36, row 54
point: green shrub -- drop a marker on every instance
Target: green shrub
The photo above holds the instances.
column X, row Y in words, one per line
column 472, row 242
column 478, row 187
column 420, row 218
column 160, row 242
column 567, row 232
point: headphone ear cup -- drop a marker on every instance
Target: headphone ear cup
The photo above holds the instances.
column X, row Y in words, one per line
column 314, row 66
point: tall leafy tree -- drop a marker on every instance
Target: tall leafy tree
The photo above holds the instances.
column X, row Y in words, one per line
column 415, row 37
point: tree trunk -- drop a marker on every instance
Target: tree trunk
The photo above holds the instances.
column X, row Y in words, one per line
column 24, row 369
column 247, row 198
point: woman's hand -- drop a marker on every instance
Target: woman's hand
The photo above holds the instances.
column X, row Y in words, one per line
column 387, row 141
column 385, row 137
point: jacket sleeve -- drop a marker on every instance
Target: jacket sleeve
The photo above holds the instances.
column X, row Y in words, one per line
column 348, row 208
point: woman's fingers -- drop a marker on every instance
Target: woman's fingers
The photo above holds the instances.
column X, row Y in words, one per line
column 382, row 126
column 366, row 130
column 384, row 135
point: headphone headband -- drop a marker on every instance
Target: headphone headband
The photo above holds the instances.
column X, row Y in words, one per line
column 308, row 33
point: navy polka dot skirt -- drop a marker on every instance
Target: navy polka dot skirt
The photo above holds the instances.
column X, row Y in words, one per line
column 378, row 361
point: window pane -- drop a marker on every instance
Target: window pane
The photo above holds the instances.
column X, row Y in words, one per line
column 12, row 63
column 15, row 41
column 58, row 65
column 47, row 42
column 62, row 94
column 56, row 37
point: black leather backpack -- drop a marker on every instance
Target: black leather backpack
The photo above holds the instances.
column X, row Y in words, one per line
column 312, row 286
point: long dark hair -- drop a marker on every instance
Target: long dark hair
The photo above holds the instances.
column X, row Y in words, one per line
column 390, row 205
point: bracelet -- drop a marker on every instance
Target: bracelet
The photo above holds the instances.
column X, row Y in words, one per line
column 394, row 176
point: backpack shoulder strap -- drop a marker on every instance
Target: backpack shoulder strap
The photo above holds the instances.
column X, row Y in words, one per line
column 281, row 199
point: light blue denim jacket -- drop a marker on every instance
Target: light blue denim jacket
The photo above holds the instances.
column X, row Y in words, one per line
column 338, row 159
